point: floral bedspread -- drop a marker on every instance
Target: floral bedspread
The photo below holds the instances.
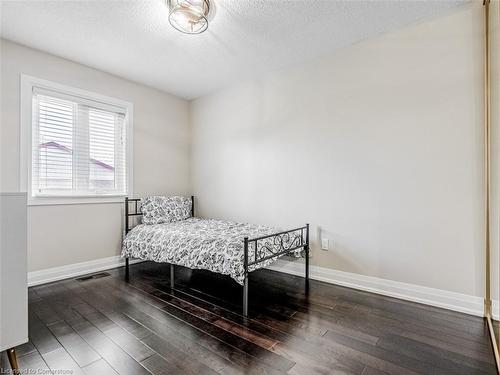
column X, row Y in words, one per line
column 210, row 244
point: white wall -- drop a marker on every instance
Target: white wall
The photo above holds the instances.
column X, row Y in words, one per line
column 66, row 234
column 379, row 147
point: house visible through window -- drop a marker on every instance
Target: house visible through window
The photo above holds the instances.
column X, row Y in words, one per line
column 78, row 145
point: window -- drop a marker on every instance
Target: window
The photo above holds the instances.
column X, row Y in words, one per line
column 77, row 144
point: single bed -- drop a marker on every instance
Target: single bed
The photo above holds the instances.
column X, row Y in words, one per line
column 225, row 247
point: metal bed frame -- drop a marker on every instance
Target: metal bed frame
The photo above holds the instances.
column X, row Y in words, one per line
column 277, row 244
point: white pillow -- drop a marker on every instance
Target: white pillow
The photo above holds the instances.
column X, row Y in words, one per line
column 159, row 209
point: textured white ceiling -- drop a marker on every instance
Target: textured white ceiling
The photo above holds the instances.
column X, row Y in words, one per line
column 133, row 39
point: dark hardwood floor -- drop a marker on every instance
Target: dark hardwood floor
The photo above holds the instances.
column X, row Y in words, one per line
column 104, row 325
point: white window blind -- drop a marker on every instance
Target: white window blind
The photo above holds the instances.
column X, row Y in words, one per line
column 78, row 146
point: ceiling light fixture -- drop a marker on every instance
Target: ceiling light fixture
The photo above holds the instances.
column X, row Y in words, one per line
column 189, row 16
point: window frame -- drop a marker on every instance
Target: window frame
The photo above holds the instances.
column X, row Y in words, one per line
column 25, row 137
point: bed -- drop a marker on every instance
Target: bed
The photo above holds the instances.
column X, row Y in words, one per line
column 225, row 247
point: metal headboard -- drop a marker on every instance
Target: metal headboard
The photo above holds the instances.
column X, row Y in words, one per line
column 138, row 212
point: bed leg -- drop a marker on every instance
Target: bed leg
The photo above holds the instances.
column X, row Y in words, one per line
column 306, row 253
column 245, row 296
column 245, row 270
column 126, row 269
column 172, row 276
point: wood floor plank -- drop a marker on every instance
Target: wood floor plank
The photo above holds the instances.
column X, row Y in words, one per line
column 438, row 357
column 317, row 359
column 259, row 321
column 265, row 356
column 40, row 335
column 25, row 348
column 230, row 338
column 380, row 324
column 194, row 343
column 359, row 325
column 45, row 312
column 33, row 296
column 77, row 348
column 220, row 311
column 270, row 308
column 33, row 361
column 216, row 319
column 386, row 355
column 175, row 356
column 129, row 343
column 317, row 369
column 326, row 293
column 214, row 353
column 99, row 367
column 128, row 324
column 443, row 327
column 344, row 364
column 59, row 361
column 108, row 350
column 135, row 348
column 158, row 365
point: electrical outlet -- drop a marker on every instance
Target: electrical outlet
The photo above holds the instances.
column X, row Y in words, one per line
column 325, row 244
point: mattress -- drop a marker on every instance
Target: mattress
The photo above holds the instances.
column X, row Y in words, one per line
column 209, row 244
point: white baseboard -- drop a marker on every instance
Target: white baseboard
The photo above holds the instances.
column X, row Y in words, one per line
column 494, row 308
column 77, row 269
column 464, row 303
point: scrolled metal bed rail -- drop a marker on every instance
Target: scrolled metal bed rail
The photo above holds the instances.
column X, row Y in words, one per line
column 272, row 246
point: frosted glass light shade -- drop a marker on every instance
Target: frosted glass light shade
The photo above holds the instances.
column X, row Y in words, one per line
column 189, row 16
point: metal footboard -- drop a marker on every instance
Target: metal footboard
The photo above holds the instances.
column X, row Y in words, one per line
column 272, row 246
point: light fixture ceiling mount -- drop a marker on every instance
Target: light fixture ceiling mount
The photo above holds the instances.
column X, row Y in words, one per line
column 189, row 16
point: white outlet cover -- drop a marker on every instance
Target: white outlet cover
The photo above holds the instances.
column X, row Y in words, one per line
column 325, row 244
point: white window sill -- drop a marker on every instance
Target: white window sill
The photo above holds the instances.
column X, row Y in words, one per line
column 52, row 200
